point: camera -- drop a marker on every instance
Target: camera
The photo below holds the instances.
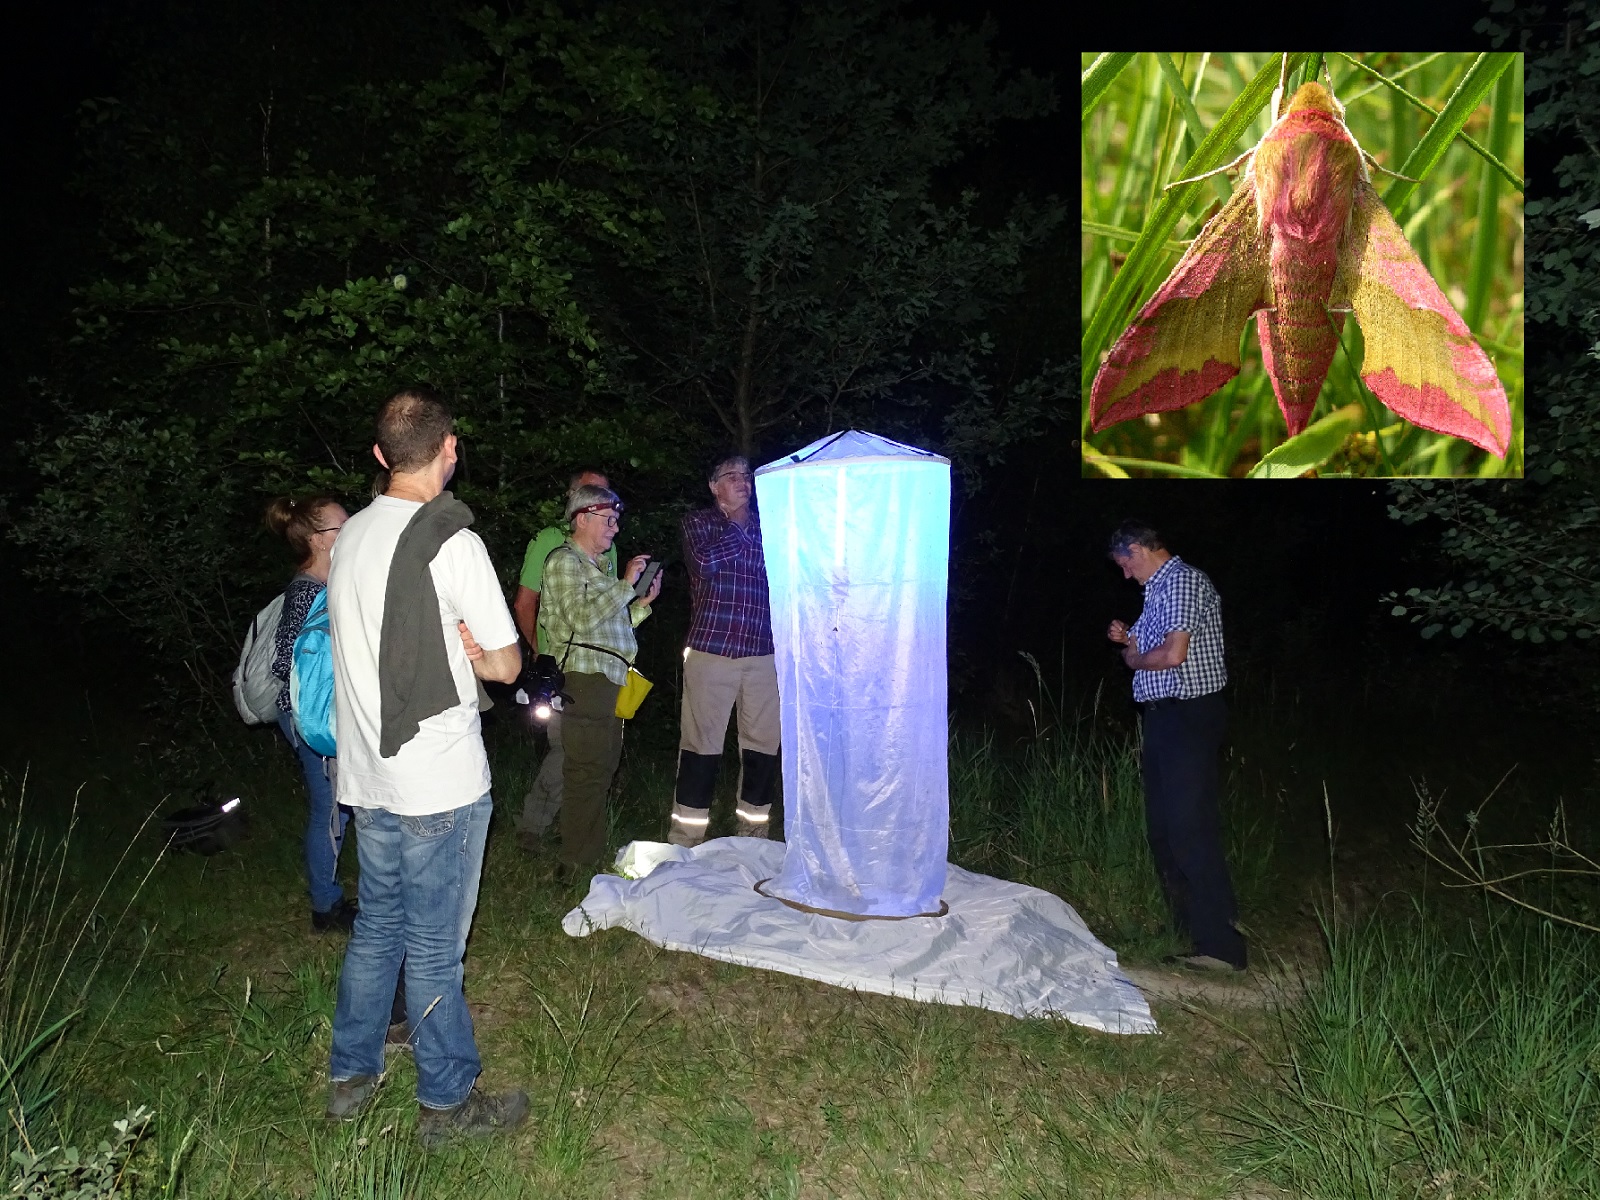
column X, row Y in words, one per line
column 540, row 686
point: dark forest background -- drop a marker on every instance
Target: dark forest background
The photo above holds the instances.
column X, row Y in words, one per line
column 634, row 235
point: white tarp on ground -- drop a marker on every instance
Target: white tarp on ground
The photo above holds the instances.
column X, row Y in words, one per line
column 1002, row 946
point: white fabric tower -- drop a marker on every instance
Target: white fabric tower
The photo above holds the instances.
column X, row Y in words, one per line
column 857, row 536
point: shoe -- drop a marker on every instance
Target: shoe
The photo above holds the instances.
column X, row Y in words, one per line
column 688, row 826
column 529, row 842
column 1203, row 962
column 479, row 1115
column 398, row 1039
column 570, row 874
column 753, row 820
column 341, row 918
column 348, row 1097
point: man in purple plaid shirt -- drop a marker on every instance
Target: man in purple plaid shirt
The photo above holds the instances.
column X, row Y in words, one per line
column 728, row 662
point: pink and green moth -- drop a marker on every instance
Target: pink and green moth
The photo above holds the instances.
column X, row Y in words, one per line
column 1303, row 240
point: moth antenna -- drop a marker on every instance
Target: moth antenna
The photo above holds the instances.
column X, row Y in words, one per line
column 1209, row 174
column 1283, row 81
column 1379, row 166
column 1327, row 73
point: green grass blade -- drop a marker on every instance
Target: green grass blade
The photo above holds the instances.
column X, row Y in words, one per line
column 1458, row 109
column 1150, row 464
column 1102, row 73
column 1312, row 447
column 1486, row 242
column 1492, row 157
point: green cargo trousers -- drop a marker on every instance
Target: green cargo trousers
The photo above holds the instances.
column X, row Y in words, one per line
column 591, row 737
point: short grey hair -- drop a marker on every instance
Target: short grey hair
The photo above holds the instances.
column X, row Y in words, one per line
column 587, row 494
column 1134, row 533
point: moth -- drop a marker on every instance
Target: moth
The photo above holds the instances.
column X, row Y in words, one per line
column 1303, row 241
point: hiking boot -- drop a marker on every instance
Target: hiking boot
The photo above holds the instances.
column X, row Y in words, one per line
column 348, row 1097
column 398, row 1039
column 689, row 825
column 754, row 820
column 529, row 842
column 341, row 918
column 479, row 1115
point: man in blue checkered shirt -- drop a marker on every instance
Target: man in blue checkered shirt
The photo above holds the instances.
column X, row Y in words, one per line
column 1176, row 653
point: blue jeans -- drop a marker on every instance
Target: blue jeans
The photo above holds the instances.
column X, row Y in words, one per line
column 324, row 823
column 419, row 887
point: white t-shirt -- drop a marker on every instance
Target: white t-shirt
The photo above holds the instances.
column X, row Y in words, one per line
column 443, row 767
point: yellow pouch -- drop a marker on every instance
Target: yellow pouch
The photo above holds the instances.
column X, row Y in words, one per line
column 632, row 694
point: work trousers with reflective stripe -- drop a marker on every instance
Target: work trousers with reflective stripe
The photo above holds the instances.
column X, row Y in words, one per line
column 712, row 686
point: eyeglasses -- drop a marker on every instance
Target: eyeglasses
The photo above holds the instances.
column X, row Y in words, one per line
column 611, row 512
column 746, row 476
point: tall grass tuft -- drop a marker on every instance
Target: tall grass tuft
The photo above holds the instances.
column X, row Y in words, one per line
column 1437, row 1058
column 582, row 1058
column 1064, row 812
column 52, row 946
column 375, row 1157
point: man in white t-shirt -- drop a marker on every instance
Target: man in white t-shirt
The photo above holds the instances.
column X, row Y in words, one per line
column 421, row 811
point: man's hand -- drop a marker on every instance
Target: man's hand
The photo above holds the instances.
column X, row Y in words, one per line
column 501, row 666
column 635, row 568
column 1118, row 633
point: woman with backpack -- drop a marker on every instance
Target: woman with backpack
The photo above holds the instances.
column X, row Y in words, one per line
column 310, row 525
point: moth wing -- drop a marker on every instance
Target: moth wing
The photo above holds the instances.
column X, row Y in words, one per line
column 1184, row 344
column 1421, row 360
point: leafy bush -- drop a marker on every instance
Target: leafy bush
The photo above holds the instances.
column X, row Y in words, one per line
column 66, row 1173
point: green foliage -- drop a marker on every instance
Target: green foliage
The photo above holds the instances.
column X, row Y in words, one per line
column 67, row 1173
column 241, row 350
column 43, row 973
column 1166, row 119
column 811, row 274
column 1525, row 561
column 593, row 232
column 1527, row 557
column 1434, row 1058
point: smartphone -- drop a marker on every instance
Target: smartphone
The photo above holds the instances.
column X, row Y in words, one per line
column 646, row 578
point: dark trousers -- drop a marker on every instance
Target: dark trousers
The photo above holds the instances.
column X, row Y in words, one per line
column 1182, row 790
column 591, row 737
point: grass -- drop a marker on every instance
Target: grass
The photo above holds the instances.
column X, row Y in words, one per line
column 1437, row 1056
column 1145, row 119
column 657, row 1074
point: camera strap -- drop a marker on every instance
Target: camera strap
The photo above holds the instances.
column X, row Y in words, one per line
column 584, row 645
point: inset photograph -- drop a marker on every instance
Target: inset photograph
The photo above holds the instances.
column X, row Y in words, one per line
column 1302, row 265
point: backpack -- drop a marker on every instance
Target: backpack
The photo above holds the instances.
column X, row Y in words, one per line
column 311, row 680
column 255, row 687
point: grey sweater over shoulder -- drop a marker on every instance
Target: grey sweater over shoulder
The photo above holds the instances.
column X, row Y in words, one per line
column 414, row 679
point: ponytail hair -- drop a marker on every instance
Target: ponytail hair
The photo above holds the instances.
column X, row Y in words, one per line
column 295, row 519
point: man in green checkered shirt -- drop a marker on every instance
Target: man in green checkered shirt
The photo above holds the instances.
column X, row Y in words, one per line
column 589, row 615
column 543, row 801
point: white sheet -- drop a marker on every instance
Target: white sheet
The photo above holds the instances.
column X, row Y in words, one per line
column 1003, row 946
